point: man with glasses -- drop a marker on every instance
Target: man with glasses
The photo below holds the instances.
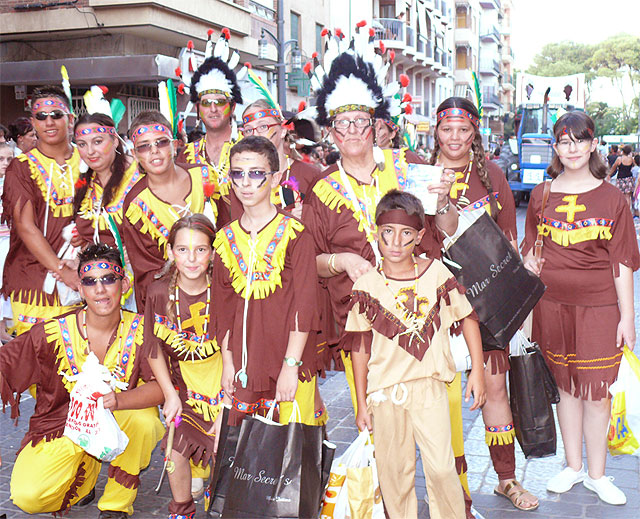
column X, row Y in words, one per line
column 215, row 92
column 51, row 473
column 38, row 204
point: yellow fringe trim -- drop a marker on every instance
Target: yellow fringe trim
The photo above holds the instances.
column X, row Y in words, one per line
column 53, row 331
column 565, row 238
column 500, row 438
column 260, row 289
column 63, row 210
column 165, row 213
column 208, row 412
column 184, row 347
column 115, row 207
column 203, row 377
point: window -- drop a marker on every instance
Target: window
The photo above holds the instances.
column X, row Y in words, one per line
column 461, row 18
column 319, row 48
column 295, row 26
column 387, row 9
column 461, row 58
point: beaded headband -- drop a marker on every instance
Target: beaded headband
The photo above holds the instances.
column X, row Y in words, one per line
column 394, row 127
column 458, row 112
column 49, row 102
column 260, row 114
column 99, row 130
column 213, row 91
column 565, row 131
column 141, row 130
column 400, row 216
column 117, row 269
column 351, row 108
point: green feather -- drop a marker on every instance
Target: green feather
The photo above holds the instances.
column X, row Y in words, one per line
column 476, row 86
column 173, row 102
column 117, row 110
column 263, row 90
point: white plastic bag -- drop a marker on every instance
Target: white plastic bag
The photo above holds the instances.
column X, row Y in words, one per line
column 66, row 296
column 359, row 455
column 624, row 426
column 460, row 352
column 89, row 424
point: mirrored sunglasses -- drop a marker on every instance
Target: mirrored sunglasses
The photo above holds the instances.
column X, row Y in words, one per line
column 218, row 102
column 255, row 174
column 108, row 279
column 54, row 114
column 160, row 143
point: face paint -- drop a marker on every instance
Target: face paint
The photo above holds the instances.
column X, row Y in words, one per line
column 409, row 242
column 264, row 181
column 384, row 239
column 227, row 109
column 191, row 240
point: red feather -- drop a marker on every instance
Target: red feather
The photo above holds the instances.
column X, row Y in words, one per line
column 339, row 33
column 407, row 98
column 404, row 80
column 180, row 125
column 324, row 32
column 288, row 126
column 178, row 71
column 225, row 32
column 248, row 65
column 392, row 55
column 301, row 106
column 382, row 47
column 190, row 45
column 361, row 23
column 209, row 32
column 307, row 67
column 372, row 32
column 209, row 189
column 104, row 89
column 181, row 89
column 408, row 109
column 81, row 182
column 314, row 55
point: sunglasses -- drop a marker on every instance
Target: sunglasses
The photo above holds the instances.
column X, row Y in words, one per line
column 255, row 174
column 160, row 143
column 108, row 279
column 218, row 102
column 263, row 128
column 54, row 114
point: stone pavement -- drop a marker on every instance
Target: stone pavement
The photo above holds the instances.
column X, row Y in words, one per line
column 577, row 503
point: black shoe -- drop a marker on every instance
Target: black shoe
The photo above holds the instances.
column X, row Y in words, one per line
column 86, row 500
column 110, row 514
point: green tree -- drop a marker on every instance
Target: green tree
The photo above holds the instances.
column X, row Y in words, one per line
column 610, row 120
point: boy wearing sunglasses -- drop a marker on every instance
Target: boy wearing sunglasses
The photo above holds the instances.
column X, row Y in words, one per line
column 265, row 292
column 215, row 92
column 51, row 473
column 38, row 204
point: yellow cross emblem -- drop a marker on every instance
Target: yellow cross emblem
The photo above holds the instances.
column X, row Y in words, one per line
column 196, row 320
column 458, row 186
column 571, row 208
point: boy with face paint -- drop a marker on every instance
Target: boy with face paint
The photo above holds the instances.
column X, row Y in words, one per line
column 399, row 319
column 38, row 204
column 265, row 291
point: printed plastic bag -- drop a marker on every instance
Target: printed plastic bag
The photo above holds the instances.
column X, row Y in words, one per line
column 353, row 491
column 89, row 424
column 624, row 427
column 67, row 296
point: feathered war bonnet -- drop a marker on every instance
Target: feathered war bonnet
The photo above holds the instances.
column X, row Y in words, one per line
column 356, row 79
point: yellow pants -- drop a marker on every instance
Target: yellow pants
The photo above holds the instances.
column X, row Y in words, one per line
column 406, row 414
column 454, row 394
column 305, row 397
column 53, row 475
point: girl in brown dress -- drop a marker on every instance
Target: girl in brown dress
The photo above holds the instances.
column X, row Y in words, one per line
column 586, row 314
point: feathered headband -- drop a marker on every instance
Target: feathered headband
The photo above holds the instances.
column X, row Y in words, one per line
column 356, row 77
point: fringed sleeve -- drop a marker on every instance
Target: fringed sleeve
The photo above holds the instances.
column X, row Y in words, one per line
column 623, row 246
column 19, row 368
column 18, row 187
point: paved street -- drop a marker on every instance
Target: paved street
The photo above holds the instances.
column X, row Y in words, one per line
column 578, row 503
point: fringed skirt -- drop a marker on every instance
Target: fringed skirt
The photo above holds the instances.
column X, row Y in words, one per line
column 579, row 345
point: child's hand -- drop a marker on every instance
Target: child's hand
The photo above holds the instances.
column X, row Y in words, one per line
column 287, row 384
column 227, row 382
column 533, row 264
column 475, row 383
column 172, row 407
column 626, row 333
column 354, row 265
column 363, row 420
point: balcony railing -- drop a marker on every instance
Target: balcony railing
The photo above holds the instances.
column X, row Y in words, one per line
column 392, row 29
column 261, row 10
column 489, row 66
column 411, row 36
column 490, row 31
column 490, row 96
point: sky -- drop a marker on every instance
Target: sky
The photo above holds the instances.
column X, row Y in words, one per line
column 538, row 22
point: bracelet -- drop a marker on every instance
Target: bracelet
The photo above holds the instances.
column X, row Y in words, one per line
column 331, row 265
column 444, row 209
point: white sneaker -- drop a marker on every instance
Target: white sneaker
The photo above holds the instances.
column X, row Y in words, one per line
column 563, row 481
column 606, row 490
column 197, row 487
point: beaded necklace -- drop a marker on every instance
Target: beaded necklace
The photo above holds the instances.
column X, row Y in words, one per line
column 86, row 333
column 180, row 336
column 414, row 323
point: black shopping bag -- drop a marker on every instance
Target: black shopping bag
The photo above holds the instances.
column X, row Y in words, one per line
column 219, row 485
column 500, row 289
column 277, row 471
column 532, row 390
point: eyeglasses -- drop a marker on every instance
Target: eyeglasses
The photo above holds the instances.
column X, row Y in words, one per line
column 160, row 143
column 54, row 114
column 218, row 102
column 345, row 124
column 263, row 128
column 108, row 279
column 565, row 144
column 254, row 174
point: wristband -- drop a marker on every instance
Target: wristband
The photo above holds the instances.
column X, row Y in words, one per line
column 291, row 361
column 444, row 209
column 331, row 265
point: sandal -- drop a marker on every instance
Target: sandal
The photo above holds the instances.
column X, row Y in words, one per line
column 513, row 491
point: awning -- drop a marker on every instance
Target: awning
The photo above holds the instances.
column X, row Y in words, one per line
column 90, row 71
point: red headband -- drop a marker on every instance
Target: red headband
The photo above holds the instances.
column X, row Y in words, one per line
column 400, row 216
column 153, row 128
column 271, row 112
column 565, row 131
column 50, row 103
column 99, row 130
column 458, row 112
